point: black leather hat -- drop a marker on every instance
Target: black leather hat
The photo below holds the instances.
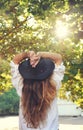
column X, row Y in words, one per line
column 43, row 69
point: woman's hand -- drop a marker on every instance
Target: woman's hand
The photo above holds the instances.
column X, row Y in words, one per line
column 34, row 58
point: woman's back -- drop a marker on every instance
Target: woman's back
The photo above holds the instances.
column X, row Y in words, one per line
column 38, row 93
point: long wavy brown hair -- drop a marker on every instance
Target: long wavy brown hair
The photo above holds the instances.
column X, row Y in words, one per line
column 36, row 100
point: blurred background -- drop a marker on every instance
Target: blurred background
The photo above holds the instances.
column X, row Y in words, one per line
column 43, row 25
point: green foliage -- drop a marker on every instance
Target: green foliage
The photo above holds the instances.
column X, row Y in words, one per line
column 9, row 103
column 5, row 77
column 32, row 25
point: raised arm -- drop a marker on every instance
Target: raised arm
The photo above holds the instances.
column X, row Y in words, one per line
column 34, row 58
column 19, row 57
column 56, row 57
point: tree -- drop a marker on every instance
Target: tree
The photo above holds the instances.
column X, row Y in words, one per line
column 39, row 25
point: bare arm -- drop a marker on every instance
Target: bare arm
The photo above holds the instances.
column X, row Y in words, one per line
column 19, row 57
column 56, row 57
column 34, row 58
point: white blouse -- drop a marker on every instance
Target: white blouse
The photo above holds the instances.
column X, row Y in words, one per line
column 52, row 116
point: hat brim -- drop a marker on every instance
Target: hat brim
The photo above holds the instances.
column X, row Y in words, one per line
column 42, row 71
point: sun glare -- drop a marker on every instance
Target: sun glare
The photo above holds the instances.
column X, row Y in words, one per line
column 61, row 30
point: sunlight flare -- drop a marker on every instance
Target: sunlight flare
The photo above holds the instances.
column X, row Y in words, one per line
column 61, row 30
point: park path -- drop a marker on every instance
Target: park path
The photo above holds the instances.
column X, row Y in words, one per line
column 66, row 123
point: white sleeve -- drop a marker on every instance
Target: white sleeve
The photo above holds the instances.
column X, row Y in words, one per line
column 17, row 79
column 58, row 74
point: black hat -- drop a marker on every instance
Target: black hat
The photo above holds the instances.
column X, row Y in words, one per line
column 43, row 69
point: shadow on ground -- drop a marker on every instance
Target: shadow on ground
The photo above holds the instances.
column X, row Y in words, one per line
column 74, row 120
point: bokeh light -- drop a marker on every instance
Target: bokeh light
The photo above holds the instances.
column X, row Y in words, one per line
column 61, row 30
